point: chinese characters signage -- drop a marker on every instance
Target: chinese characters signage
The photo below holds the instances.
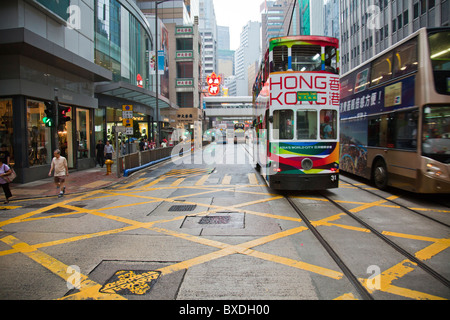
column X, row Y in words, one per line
column 213, row 84
column 184, row 30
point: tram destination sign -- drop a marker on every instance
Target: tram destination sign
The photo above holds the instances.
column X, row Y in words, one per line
column 306, row 96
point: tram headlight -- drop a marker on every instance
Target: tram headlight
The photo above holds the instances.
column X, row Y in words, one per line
column 307, row 164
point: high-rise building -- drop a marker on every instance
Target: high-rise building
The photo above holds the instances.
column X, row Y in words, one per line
column 331, row 26
column 368, row 27
column 208, row 32
column 311, row 17
column 277, row 20
column 178, row 30
column 248, row 52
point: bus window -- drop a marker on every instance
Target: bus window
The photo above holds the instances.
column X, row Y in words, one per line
column 283, row 125
column 406, row 60
column 306, row 58
column 280, row 59
column 328, row 124
column 436, row 133
column 306, row 125
column 381, row 69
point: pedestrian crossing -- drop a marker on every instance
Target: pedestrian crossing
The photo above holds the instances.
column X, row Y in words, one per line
column 193, row 178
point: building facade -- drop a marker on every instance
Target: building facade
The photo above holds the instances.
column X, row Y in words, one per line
column 91, row 58
column 368, row 27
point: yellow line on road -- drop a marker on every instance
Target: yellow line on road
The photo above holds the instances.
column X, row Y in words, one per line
column 178, row 182
column 89, row 288
column 226, row 180
column 252, row 178
column 132, row 184
column 202, row 180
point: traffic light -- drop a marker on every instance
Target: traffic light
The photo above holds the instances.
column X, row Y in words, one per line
column 49, row 119
column 62, row 115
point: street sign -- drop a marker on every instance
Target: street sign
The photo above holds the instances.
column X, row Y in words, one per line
column 119, row 129
column 127, row 107
column 129, row 131
column 127, row 123
column 127, row 114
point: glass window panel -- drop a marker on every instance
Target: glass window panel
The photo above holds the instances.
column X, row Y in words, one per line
column 283, row 125
column 39, row 136
column 306, row 125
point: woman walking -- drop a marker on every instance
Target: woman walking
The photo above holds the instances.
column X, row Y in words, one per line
column 5, row 170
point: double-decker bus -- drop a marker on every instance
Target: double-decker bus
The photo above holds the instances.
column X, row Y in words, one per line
column 395, row 115
column 296, row 114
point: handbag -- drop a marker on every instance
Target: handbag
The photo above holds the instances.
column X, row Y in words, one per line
column 9, row 178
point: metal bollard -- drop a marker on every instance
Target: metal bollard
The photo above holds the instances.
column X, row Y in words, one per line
column 108, row 166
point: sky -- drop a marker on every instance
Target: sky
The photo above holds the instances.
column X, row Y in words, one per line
column 236, row 14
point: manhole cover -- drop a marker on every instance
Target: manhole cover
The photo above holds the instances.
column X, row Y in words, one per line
column 215, row 220
column 133, row 282
column 187, row 207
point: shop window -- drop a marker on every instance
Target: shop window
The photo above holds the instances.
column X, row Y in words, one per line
column 39, row 136
column 83, row 133
column 6, row 131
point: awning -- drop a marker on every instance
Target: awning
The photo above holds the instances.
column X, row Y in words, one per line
column 130, row 92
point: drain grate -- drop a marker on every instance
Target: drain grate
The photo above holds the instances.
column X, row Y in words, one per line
column 184, row 207
column 215, row 220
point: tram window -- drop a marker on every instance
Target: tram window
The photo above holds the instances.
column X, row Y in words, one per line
column 283, row 125
column 406, row 60
column 306, row 58
column 306, row 125
column 331, row 60
column 280, row 59
column 381, row 69
column 328, row 124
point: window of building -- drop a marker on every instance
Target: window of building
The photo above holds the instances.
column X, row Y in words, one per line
column 283, row 125
column 39, row 136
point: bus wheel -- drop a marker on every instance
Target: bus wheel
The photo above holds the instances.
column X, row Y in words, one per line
column 380, row 175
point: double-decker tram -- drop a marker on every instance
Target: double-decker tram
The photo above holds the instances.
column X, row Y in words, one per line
column 296, row 114
column 395, row 115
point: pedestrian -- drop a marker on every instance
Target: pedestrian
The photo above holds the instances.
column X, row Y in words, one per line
column 108, row 150
column 100, row 147
column 5, row 170
column 4, row 154
column 59, row 164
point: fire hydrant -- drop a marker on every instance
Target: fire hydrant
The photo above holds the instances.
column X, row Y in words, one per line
column 108, row 166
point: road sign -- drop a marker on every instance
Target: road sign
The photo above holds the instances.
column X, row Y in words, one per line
column 127, row 107
column 129, row 131
column 127, row 114
column 127, row 123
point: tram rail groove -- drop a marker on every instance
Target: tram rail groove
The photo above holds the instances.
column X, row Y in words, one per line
column 397, row 204
column 391, row 243
column 347, row 272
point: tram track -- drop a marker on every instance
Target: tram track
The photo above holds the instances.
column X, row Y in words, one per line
column 345, row 269
column 396, row 203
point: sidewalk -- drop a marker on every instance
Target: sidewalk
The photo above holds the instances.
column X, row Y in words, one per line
column 78, row 181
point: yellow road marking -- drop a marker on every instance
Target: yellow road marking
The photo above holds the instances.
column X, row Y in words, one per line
column 226, row 180
column 59, row 268
column 96, row 184
column 252, row 178
column 178, row 182
column 162, row 178
column 132, row 183
column 202, row 180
